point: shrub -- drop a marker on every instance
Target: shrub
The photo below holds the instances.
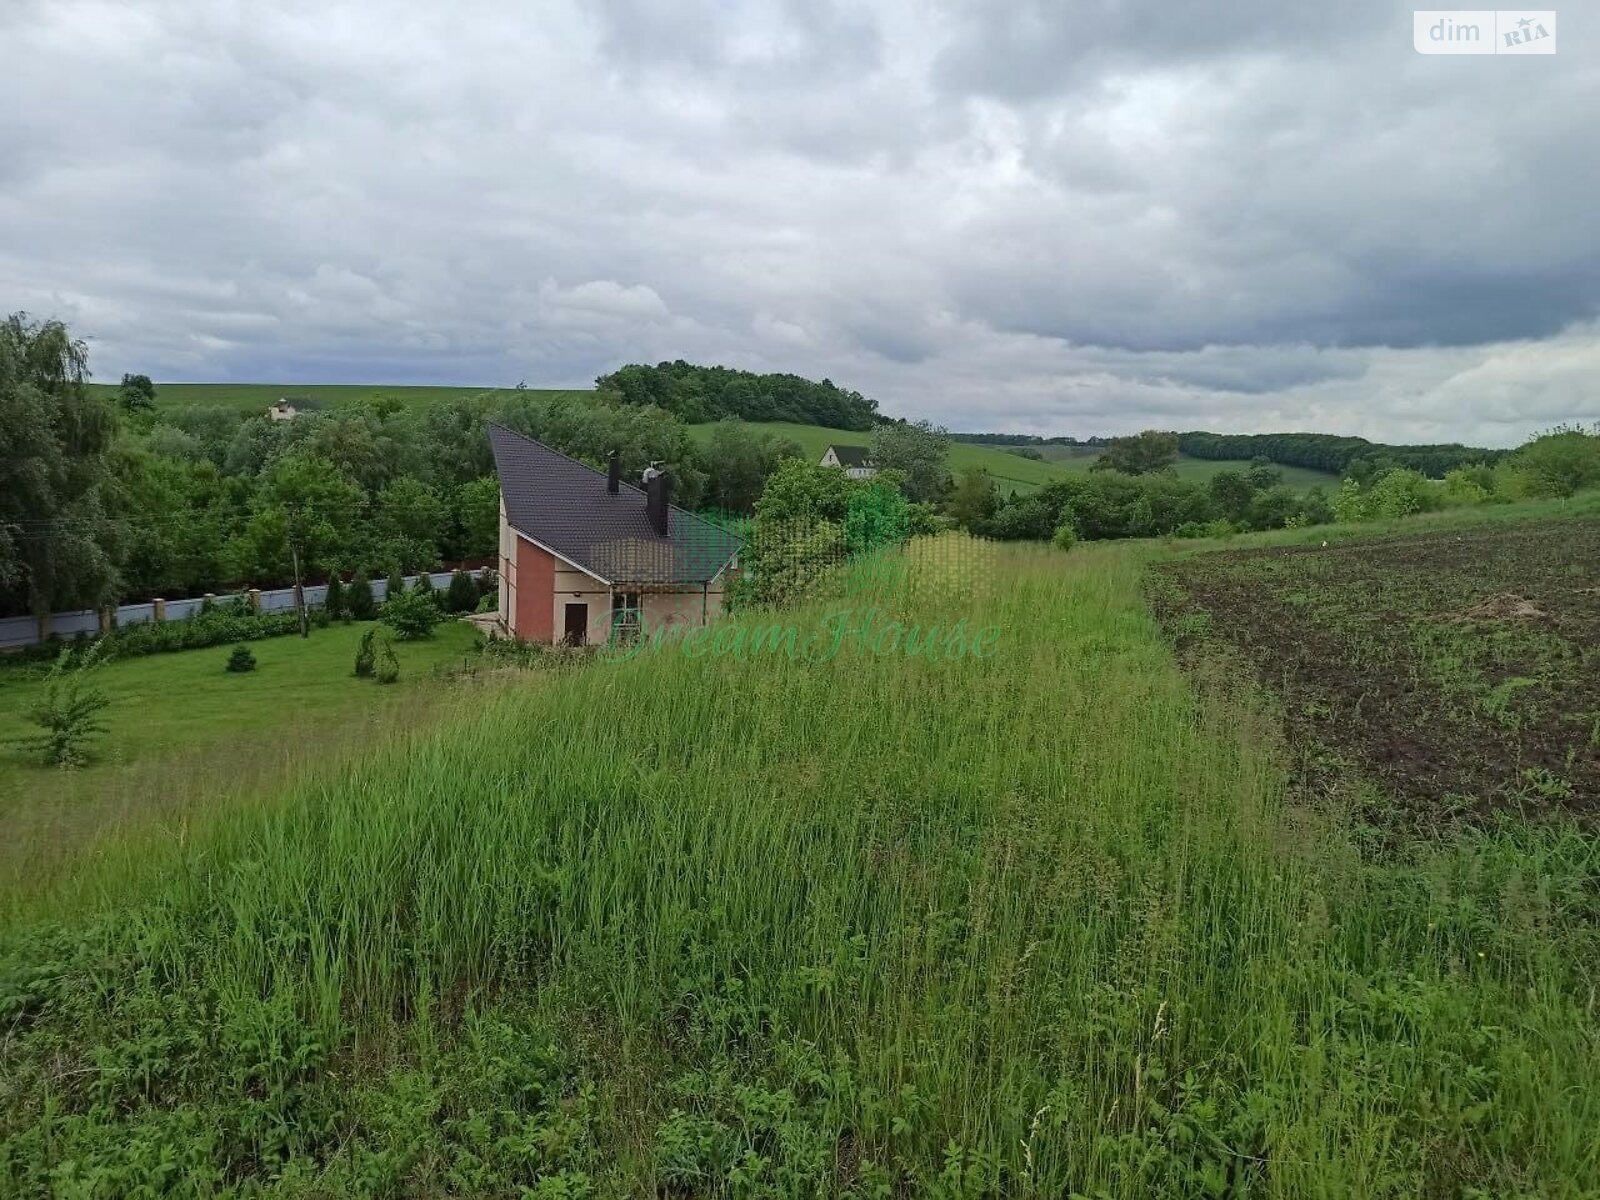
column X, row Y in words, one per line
column 387, row 668
column 1315, row 508
column 1401, row 492
column 396, row 587
column 366, row 654
column 1274, row 508
column 411, row 615
column 875, row 515
column 784, row 560
column 424, row 587
column 462, row 594
column 359, row 600
column 1559, row 463
column 1350, row 505
column 219, row 626
column 489, row 602
column 241, row 660
column 1065, row 538
column 1219, row 528
column 68, row 711
column 335, row 604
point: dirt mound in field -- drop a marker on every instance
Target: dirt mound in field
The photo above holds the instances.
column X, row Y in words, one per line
column 1502, row 606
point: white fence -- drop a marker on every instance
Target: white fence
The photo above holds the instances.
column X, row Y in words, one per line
column 19, row 632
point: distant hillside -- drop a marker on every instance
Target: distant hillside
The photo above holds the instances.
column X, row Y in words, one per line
column 1319, row 455
column 1011, row 472
column 1026, row 439
column 253, row 398
column 1059, row 456
column 1008, row 470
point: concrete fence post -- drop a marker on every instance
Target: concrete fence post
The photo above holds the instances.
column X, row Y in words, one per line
column 44, row 627
column 158, row 609
column 108, row 620
column 209, row 600
column 255, row 599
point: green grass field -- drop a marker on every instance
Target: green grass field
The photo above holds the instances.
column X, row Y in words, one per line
column 1013, row 471
column 1040, row 921
column 165, row 702
column 1009, row 470
column 178, row 712
column 1076, row 459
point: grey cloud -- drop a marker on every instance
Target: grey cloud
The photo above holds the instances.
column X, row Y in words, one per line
column 762, row 43
column 1073, row 220
column 1023, row 49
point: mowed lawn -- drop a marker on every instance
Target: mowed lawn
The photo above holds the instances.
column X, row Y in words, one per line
column 184, row 739
column 166, row 702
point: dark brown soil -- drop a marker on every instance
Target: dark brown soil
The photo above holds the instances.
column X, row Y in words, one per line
column 1458, row 671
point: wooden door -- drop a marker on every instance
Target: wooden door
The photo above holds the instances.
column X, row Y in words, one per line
column 577, row 625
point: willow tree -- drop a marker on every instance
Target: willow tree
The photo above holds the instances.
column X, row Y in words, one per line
column 60, row 537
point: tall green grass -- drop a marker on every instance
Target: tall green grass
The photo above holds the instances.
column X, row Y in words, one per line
column 1037, row 923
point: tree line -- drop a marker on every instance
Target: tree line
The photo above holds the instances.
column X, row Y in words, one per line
column 104, row 499
column 1111, row 504
column 1133, row 493
column 696, row 394
column 1025, row 439
column 1335, row 454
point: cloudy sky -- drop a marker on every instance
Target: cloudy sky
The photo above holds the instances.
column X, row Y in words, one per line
column 1067, row 217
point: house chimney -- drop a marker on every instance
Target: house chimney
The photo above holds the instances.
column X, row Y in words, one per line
column 657, row 493
column 613, row 473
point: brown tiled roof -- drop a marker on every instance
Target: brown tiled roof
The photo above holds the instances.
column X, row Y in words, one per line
column 563, row 504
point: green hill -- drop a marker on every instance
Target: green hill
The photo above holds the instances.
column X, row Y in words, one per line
column 1013, row 470
column 1009, row 470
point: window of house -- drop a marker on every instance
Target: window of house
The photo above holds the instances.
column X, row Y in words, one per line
column 627, row 614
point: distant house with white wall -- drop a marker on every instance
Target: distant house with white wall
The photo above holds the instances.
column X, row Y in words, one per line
column 855, row 460
column 582, row 552
column 282, row 409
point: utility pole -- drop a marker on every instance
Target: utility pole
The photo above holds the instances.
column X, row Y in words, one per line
column 299, row 588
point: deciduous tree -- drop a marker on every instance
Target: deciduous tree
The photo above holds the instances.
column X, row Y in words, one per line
column 477, row 518
column 1560, row 462
column 137, row 393
column 973, row 499
column 918, row 450
column 1140, row 454
column 61, row 538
